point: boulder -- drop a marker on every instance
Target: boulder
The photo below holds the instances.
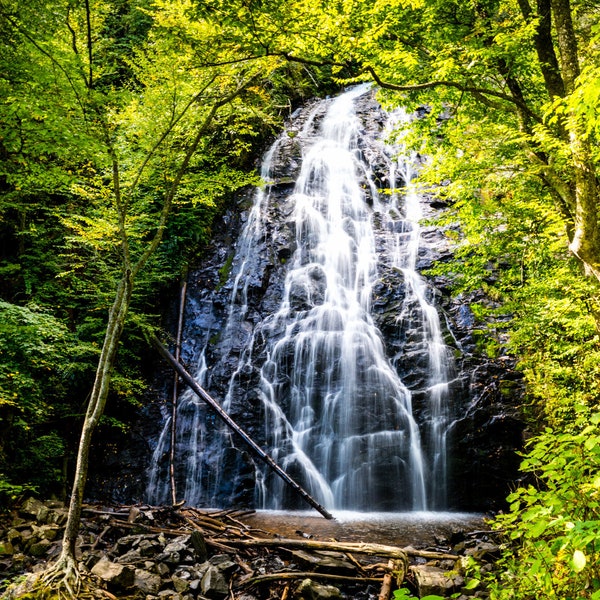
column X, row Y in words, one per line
column 180, row 584
column 6, row 548
column 310, row 590
column 39, row 548
column 114, row 574
column 432, row 580
column 213, row 584
column 31, row 507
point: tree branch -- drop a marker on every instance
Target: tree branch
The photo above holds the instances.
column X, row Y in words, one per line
column 88, row 19
column 456, row 85
column 182, row 169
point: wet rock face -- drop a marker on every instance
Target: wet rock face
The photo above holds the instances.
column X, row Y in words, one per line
column 485, row 431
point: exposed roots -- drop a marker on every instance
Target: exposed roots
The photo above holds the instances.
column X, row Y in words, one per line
column 59, row 581
column 63, row 578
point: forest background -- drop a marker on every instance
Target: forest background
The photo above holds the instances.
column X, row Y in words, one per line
column 127, row 125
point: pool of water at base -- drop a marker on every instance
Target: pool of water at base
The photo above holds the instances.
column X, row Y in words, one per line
column 417, row 529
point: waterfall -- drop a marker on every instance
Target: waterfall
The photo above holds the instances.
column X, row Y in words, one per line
column 300, row 352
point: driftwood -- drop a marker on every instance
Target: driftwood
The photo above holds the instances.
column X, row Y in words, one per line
column 216, row 408
column 399, row 569
column 353, row 547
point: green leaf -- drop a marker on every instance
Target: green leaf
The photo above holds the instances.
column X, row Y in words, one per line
column 471, row 584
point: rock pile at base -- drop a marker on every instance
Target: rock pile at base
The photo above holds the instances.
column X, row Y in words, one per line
column 151, row 553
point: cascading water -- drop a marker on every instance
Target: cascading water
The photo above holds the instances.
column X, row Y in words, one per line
column 419, row 316
column 308, row 362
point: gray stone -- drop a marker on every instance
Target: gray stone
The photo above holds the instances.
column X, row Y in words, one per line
column 310, row 590
column 432, row 580
column 177, row 545
column 39, row 548
column 180, row 584
column 169, row 595
column 146, row 582
column 133, row 556
column 43, row 514
column 224, row 563
column 6, row 548
column 14, row 537
column 172, row 558
column 483, row 550
column 31, row 507
column 58, row 516
column 114, row 574
column 213, row 584
column 149, row 547
column 127, row 542
column 47, row 532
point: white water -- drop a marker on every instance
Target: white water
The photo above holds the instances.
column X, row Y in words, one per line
column 423, row 319
column 337, row 416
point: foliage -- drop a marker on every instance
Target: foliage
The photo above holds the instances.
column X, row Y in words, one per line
column 404, row 594
column 107, row 127
column 40, row 363
column 553, row 525
column 109, row 120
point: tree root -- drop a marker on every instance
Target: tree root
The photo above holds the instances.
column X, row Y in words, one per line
column 59, row 581
column 63, row 578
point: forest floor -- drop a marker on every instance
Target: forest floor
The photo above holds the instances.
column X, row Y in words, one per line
column 179, row 553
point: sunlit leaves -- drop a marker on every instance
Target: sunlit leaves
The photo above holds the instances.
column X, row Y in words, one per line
column 555, row 524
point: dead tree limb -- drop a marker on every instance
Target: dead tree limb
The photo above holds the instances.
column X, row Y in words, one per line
column 215, row 406
column 355, row 547
column 386, row 585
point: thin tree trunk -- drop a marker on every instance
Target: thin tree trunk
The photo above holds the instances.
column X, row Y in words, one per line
column 116, row 321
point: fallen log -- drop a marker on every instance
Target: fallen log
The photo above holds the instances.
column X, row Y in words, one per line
column 355, row 547
column 216, row 407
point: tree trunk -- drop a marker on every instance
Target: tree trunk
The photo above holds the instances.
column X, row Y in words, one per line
column 585, row 243
column 116, row 321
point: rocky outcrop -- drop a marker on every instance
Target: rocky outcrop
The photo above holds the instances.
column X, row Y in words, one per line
column 485, row 430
